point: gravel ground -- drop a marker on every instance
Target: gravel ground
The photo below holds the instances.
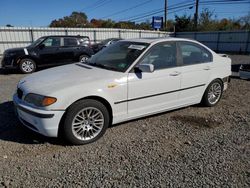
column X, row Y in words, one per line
column 190, row 147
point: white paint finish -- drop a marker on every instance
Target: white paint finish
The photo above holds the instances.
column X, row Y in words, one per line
column 45, row 126
column 73, row 82
column 194, row 75
column 146, row 84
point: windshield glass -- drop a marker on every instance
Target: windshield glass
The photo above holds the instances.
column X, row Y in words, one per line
column 105, row 41
column 119, row 56
column 37, row 41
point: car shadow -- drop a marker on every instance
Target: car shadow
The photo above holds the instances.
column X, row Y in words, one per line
column 12, row 130
column 9, row 71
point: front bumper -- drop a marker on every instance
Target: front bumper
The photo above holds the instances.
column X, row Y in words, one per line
column 8, row 63
column 41, row 121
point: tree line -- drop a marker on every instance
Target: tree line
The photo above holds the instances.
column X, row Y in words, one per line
column 207, row 22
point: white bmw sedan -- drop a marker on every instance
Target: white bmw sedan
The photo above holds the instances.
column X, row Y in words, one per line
column 128, row 80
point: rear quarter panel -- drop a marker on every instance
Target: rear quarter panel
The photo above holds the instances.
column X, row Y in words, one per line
column 221, row 67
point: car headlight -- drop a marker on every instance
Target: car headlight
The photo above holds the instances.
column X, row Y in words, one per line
column 39, row 100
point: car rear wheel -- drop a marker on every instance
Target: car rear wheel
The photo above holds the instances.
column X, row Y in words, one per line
column 27, row 66
column 85, row 122
column 83, row 58
column 213, row 93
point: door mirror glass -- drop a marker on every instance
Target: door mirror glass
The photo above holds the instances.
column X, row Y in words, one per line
column 146, row 67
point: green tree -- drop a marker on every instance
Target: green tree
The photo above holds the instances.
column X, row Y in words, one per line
column 76, row 19
column 206, row 21
column 183, row 23
column 245, row 21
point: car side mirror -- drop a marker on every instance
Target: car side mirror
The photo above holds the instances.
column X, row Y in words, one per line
column 41, row 46
column 146, row 67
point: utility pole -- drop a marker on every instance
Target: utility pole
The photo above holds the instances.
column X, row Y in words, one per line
column 196, row 14
column 165, row 14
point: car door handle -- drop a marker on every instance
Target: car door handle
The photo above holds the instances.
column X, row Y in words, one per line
column 206, row 68
column 175, row 73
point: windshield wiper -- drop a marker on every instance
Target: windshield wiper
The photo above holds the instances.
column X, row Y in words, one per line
column 103, row 66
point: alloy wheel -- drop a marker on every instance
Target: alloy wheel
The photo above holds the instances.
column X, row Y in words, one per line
column 87, row 123
column 84, row 59
column 214, row 93
column 27, row 66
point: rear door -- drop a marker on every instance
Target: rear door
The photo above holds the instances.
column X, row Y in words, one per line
column 196, row 69
column 69, row 50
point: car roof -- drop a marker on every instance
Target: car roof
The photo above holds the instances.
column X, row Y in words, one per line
column 76, row 36
column 155, row 40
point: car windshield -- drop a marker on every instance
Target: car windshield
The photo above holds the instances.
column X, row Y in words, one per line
column 118, row 57
column 36, row 42
column 105, row 41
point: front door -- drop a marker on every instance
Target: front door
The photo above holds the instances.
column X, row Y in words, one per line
column 48, row 51
column 157, row 91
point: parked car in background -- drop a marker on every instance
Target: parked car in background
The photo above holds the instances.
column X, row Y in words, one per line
column 130, row 79
column 98, row 46
column 48, row 51
column 244, row 71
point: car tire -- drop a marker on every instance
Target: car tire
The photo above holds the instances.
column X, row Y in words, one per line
column 27, row 66
column 85, row 121
column 213, row 93
column 83, row 58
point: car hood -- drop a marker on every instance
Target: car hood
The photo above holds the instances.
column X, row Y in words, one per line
column 58, row 78
column 12, row 50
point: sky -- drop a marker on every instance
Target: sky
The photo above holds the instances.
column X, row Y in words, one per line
column 39, row 13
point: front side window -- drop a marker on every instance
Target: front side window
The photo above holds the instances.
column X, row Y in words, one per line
column 52, row 42
column 161, row 55
column 70, row 42
column 119, row 56
column 194, row 54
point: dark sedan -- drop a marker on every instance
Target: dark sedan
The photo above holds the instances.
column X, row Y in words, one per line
column 48, row 51
column 98, row 46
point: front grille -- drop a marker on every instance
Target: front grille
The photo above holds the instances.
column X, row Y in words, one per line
column 19, row 93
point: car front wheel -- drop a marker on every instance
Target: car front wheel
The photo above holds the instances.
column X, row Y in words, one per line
column 85, row 122
column 213, row 93
column 27, row 66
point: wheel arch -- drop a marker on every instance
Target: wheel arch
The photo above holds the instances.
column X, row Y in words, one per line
column 84, row 53
column 93, row 97
column 218, row 78
column 25, row 57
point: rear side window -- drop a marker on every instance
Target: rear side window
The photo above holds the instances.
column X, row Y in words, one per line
column 70, row 42
column 194, row 54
